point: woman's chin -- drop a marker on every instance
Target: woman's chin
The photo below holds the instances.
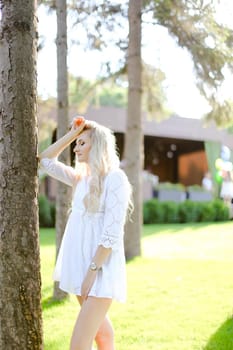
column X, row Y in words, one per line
column 80, row 160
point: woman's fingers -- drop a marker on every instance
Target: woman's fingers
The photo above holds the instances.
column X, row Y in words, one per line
column 78, row 121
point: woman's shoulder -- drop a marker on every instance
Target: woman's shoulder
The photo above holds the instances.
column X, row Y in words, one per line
column 116, row 176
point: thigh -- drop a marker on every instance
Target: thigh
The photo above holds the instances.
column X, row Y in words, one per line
column 80, row 299
column 91, row 316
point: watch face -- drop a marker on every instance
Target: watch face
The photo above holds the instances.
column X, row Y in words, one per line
column 93, row 266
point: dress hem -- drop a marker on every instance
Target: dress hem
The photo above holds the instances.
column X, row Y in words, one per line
column 119, row 300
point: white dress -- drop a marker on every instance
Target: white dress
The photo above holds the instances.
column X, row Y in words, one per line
column 226, row 189
column 86, row 231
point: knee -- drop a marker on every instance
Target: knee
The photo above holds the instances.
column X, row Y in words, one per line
column 79, row 343
column 105, row 337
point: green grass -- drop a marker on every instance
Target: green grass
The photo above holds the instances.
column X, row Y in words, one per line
column 180, row 292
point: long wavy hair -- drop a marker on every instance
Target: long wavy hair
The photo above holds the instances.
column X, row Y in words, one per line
column 103, row 158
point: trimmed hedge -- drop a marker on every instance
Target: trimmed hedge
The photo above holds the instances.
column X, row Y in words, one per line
column 46, row 212
column 155, row 211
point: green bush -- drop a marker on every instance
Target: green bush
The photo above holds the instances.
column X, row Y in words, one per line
column 170, row 186
column 221, row 210
column 155, row 211
column 53, row 212
column 46, row 215
column 197, row 188
column 189, row 211
column 148, row 212
column 171, row 212
column 208, row 212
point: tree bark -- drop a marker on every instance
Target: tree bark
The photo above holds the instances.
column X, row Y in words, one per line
column 20, row 281
column 133, row 149
column 63, row 196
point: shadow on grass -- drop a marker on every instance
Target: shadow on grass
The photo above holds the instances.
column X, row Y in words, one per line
column 222, row 339
column 50, row 302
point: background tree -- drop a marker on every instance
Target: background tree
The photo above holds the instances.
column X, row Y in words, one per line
column 84, row 93
column 133, row 149
column 20, row 309
column 63, row 193
column 194, row 26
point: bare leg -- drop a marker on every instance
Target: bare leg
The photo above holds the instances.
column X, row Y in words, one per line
column 105, row 335
column 90, row 318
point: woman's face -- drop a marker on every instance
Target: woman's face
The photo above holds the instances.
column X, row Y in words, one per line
column 83, row 146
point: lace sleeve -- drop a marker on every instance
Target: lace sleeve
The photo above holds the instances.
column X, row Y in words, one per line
column 59, row 171
column 115, row 208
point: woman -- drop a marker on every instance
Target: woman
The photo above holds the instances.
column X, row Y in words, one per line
column 226, row 192
column 91, row 262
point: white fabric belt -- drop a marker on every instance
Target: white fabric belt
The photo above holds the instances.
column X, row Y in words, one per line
column 86, row 213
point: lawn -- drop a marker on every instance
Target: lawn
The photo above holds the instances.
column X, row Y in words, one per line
column 180, row 292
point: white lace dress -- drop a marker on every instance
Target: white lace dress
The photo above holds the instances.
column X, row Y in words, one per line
column 86, row 231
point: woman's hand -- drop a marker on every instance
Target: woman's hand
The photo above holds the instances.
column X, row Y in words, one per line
column 78, row 124
column 88, row 283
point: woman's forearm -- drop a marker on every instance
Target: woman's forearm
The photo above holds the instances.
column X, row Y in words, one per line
column 101, row 255
column 56, row 148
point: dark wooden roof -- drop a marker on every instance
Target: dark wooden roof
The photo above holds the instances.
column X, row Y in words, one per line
column 173, row 127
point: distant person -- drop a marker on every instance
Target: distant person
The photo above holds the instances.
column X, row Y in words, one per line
column 226, row 192
column 207, row 182
column 91, row 260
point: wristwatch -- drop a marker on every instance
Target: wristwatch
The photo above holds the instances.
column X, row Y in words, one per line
column 93, row 266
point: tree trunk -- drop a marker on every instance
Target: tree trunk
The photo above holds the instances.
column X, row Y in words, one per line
column 133, row 149
column 63, row 197
column 20, row 282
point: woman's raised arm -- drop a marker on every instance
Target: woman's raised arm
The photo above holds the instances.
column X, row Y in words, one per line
column 56, row 148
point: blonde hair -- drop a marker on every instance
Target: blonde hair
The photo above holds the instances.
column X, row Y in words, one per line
column 103, row 158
